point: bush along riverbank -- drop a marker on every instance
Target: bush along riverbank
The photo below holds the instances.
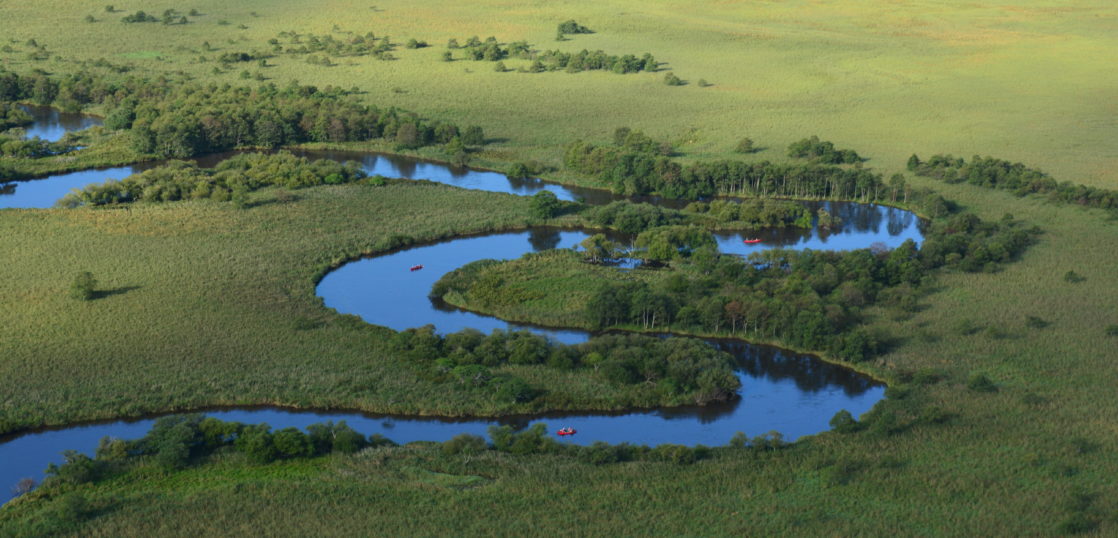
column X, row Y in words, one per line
column 804, row 299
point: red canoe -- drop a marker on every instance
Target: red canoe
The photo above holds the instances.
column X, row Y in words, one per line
column 416, row 267
column 572, row 431
column 750, row 241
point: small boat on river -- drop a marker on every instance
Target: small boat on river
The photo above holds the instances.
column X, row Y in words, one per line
column 750, row 241
column 416, row 267
column 566, row 431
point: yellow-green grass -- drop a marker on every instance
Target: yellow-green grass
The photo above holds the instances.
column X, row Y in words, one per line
column 1026, row 80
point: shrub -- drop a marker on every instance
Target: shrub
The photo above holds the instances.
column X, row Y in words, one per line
column 1073, row 277
column 980, row 383
column 843, row 422
column 464, row 444
column 671, row 80
column 1112, row 330
column 745, row 146
column 545, row 204
column 83, row 287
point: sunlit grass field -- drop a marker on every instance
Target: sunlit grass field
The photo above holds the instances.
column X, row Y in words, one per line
column 1027, row 80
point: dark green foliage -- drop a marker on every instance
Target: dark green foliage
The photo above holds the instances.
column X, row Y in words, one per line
column 139, row 16
column 978, row 382
column 292, row 443
column 358, row 45
column 1112, row 330
column 533, row 440
column 33, row 148
column 572, row 27
column 233, row 179
column 256, row 443
column 465, row 443
column 645, row 169
column 666, row 243
column 745, row 145
column 843, row 422
column 632, row 219
column 73, row 509
column 822, row 151
column 545, row 205
column 11, row 115
column 84, row 286
column 1034, row 322
column 175, row 120
column 1017, row 178
column 671, row 80
column 760, row 213
column 473, row 136
column 77, row 469
column 808, row 299
column 678, row 366
column 556, row 60
column 1073, row 277
column 330, row 437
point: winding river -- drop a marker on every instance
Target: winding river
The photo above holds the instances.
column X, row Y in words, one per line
column 781, row 391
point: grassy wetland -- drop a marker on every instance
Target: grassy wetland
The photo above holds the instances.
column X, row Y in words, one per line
column 999, row 418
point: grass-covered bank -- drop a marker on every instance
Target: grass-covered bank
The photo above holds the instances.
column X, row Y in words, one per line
column 201, row 304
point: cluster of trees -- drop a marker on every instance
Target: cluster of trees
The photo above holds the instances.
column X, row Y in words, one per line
column 11, row 115
column 170, row 16
column 179, row 120
column 175, row 442
column 675, row 366
column 1015, row 177
column 358, row 45
column 554, row 60
column 639, row 169
column 822, row 151
column 807, row 298
column 232, row 179
column 15, row 146
column 573, row 27
column 192, row 122
column 634, row 218
column 755, row 213
column 585, row 60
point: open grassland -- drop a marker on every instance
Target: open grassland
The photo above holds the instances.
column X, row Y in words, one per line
column 202, row 304
column 1027, row 80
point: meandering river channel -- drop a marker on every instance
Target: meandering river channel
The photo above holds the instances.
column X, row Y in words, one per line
column 781, row 391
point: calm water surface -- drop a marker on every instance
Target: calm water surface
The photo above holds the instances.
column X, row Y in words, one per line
column 51, row 124
column 794, row 394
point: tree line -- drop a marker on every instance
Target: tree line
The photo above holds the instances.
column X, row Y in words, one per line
column 676, row 367
column 1017, row 178
column 636, row 165
column 367, row 44
column 11, row 115
column 807, row 299
column 554, row 60
column 231, row 179
column 177, row 120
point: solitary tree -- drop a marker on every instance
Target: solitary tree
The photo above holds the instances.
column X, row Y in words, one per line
column 745, row 146
column 83, row 286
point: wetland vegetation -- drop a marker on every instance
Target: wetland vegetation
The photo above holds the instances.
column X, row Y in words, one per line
column 999, row 358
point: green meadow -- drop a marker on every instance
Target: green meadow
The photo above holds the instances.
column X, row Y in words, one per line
column 206, row 305
column 1027, row 80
